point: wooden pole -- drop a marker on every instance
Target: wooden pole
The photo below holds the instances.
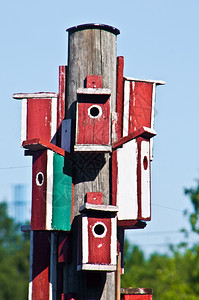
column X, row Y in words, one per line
column 91, row 51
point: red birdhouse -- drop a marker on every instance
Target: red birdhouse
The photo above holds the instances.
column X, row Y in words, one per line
column 93, row 117
column 97, row 236
column 39, row 116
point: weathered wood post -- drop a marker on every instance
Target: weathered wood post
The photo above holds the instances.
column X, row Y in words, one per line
column 91, row 51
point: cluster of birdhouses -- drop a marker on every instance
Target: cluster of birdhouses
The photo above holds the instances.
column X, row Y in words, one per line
column 56, row 143
column 93, row 131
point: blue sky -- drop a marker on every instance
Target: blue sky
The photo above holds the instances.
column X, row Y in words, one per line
column 159, row 40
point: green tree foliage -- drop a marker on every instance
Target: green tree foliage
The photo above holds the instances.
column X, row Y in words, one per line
column 193, row 194
column 173, row 277
column 14, row 258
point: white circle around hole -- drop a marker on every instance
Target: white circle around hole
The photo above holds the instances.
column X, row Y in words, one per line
column 39, row 179
column 95, row 111
column 99, row 230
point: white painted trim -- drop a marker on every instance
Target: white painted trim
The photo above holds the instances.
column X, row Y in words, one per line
column 31, row 266
column 96, row 267
column 49, row 189
column 158, row 82
column 99, row 235
column 145, row 181
column 90, row 148
column 98, row 107
column 152, row 119
column 34, row 95
column 149, row 130
column 53, row 119
column 98, row 207
column 153, row 106
column 127, row 181
column 24, row 120
column 85, row 249
column 113, row 241
column 126, row 108
column 76, row 127
column 93, row 91
column 37, row 179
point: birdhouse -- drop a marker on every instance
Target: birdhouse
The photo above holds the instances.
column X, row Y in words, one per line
column 93, row 117
column 132, row 191
column 39, row 116
column 139, row 105
column 51, row 191
column 97, row 235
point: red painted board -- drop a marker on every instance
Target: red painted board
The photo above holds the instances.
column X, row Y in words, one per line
column 93, row 81
column 131, row 224
column 143, row 131
column 119, row 97
column 136, row 297
column 41, row 265
column 99, row 244
column 39, row 186
column 61, row 102
column 140, row 105
column 65, row 247
column 93, row 129
column 39, row 119
column 41, row 144
column 94, row 198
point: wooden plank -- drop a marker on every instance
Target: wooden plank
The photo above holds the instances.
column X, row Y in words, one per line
column 119, row 99
column 127, row 192
column 93, row 81
column 126, row 108
column 92, row 148
column 98, row 207
column 94, row 198
column 40, row 266
column 39, row 119
column 61, row 102
column 66, row 135
column 136, row 297
column 114, row 178
column 93, row 91
column 24, row 120
column 140, row 105
column 42, row 144
column 158, row 82
column 136, row 291
column 34, row 95
column 144, row 132
column 39, row 188
column 131, row 224
column 136, row 294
